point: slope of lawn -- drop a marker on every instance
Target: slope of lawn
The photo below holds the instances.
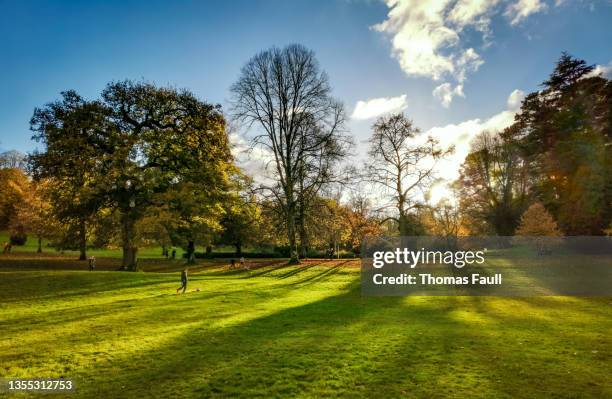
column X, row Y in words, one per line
column 302, row 331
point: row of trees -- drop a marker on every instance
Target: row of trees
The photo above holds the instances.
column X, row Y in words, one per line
column 155, row 163
column 558, row 152
column 145, row 164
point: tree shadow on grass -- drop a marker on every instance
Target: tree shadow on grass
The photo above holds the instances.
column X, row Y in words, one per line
column 297, row 270
column 551, row 354
column 323, row 275
column 36, row 286
column 318, row 348
column 341, row 345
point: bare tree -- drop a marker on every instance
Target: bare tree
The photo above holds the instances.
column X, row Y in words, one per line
column 284, row 92
column 13, row 159
column 403, row 164
column 321, row 149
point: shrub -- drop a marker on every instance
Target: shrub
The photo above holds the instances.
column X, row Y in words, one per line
column 18, row 238
column 537, row 223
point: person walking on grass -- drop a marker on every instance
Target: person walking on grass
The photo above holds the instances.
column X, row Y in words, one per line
column 5, row 249
column 183, row 281
column 92, row 263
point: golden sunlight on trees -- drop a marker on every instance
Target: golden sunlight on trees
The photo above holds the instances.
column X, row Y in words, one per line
column 15, row 185
column 34, row 214
column 536, row 221
column 144, row 166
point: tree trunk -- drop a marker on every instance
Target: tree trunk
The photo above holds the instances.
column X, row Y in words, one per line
column 403, row 224
column 191, row 252
column 130, row 251
column 39, row 250
column 293, row 256
column 82, row 240
column 302, row 215
column 302, row 232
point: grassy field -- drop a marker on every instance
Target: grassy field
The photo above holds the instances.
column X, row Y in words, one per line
column 279, row 331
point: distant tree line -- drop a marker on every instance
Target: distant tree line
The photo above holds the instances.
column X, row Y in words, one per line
column 558, row 153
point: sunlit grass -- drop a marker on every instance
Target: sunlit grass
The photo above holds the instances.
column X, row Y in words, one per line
column 294, row 331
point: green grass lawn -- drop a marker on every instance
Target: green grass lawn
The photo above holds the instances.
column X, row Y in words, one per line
column 303, row 331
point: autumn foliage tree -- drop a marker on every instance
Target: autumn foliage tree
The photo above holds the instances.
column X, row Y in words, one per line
column 15, row 184
column 537, row 221
column 34, row 214
column 123, row 151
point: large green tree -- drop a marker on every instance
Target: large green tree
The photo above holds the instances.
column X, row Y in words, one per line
column 159, row 139
column 71, row 132
column 567, row 132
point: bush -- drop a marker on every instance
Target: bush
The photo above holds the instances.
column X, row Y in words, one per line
column 18, row 238
column 536, row 221
column 540, row 227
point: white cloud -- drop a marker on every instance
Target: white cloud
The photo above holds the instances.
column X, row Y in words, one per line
column 468, row 12
column 605, row 71
column 379, row 106
column 515, row 98
column 427, row 35
column 254, row 161
column 521, row 9
column 461, row 135
column 469, row 61
column 445, row 93
column 422, row 30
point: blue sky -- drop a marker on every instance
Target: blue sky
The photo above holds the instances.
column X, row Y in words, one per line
column 448, row 64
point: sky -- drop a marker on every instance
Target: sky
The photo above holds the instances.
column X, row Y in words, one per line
column 455, row 67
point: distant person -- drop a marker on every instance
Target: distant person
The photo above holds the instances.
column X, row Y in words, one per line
column 92, row 263
column 173, row 253
column 232, row 263
column 10, row 247
column 183, row 281
column 242, row 263
column 5, row 248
